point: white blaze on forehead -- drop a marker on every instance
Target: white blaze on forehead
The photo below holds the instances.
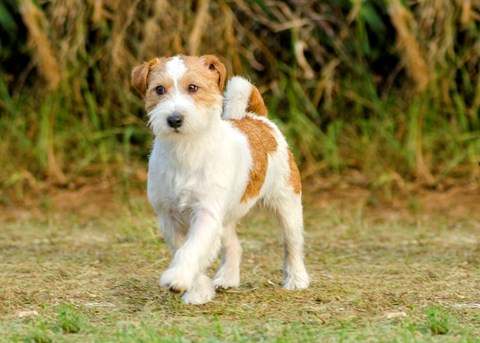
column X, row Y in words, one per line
column 176, row 68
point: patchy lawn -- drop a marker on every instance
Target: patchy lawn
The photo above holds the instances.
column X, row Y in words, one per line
column 89, row 272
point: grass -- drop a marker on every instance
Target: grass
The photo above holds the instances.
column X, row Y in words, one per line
column 382, row 95
column 89, row 272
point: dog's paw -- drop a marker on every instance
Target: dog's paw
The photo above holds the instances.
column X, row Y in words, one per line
column 226, row 279
column 201, row 292
column 296, row 281
column 177, row 280
column 226, row 283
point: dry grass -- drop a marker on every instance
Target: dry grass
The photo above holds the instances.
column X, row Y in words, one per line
column 377, row 275
column 383, row 93
column 376, row 87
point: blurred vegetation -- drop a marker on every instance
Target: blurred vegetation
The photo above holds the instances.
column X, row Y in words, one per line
column 388, row 90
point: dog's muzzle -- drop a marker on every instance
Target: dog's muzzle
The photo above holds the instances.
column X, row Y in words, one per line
column 175, row 120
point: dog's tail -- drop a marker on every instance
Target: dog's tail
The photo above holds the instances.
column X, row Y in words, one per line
column 242, row 97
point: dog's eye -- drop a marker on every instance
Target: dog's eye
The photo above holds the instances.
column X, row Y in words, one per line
column 192, row 88
column 160, row 90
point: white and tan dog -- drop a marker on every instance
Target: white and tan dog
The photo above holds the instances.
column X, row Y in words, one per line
column 209, row 167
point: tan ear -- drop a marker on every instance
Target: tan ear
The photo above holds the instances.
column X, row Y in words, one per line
column 140, row 75
column 213, row 63
column 139, row 78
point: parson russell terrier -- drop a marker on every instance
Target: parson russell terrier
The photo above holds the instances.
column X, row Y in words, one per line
column 209, row 166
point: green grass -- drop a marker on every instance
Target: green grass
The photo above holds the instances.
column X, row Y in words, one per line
column 71, row 275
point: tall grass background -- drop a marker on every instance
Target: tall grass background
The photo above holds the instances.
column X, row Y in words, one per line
column 383, row 93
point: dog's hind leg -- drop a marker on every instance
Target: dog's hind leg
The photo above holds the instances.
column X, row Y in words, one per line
column 288, row 211
column 229, row 273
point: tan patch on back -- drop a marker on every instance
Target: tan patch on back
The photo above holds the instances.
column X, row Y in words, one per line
column 294, row 179
column 262, row 143
column 256, row 104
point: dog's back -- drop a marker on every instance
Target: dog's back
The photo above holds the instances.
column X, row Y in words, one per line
column 245, row 109
column 274, row 177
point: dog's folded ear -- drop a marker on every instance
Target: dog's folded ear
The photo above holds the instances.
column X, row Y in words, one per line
column 140, row 75
column 213, row 63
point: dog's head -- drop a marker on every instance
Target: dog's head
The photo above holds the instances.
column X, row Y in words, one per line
column 183, row 94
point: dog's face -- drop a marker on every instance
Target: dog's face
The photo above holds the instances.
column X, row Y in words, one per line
column 182, row 93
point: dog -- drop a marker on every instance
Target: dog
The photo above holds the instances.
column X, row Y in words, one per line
column 214, row 157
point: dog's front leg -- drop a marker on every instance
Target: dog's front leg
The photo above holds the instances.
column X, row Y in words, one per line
column 172, row 230
column 186, row 272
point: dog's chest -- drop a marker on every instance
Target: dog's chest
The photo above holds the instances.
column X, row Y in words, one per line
column 174, row 189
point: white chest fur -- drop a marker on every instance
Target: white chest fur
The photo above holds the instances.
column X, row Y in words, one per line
column 209, row 173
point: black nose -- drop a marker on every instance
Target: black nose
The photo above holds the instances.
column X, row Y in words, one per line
column 175, row 120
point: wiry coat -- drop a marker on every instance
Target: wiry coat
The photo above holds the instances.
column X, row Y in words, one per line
column 209, row 166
